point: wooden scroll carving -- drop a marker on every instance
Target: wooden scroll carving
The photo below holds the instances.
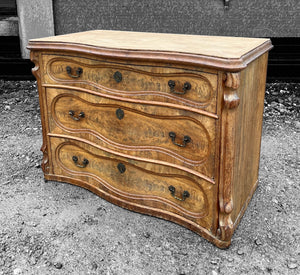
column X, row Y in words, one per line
column 230, row 103
column 34, row 57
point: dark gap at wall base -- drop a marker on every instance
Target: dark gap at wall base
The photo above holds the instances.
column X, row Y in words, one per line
column 283, row 65
column 284, row 60
column 16, row 69
column 8, row 7
column 12, row 66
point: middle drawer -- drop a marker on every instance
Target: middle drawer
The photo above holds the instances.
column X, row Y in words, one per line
column 146, row 132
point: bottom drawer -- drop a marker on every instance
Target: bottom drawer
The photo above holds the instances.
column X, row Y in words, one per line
column 144, row 187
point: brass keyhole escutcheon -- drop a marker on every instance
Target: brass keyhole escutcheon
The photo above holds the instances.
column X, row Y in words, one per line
column 119, row 113
column 118, row 77
column 121, row 168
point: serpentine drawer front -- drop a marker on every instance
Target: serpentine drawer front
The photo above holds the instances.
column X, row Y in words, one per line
column 144, row 131
column 162, row 124
column 159, row 83
column 161, row 187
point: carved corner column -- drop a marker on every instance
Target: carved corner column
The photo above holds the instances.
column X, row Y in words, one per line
column 230, row 103
column 34, row 57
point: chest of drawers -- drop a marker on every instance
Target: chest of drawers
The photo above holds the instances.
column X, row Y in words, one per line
column 162, row 124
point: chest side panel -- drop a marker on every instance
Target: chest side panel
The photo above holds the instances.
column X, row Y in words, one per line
column 248, row 133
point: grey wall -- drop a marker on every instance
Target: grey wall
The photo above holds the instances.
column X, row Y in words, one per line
column 35, row 20
column 252, row 18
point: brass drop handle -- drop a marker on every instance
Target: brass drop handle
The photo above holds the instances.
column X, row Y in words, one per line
column 186, row 86
column 186, row 139
column 72, row 114
column 185, row 194
column 78, row 72
column 84, row 163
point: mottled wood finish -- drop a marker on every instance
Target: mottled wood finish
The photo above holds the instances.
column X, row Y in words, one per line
column 142, row 132
column 139, row 182
column 136, row 82
column 218, row 46
column 230, row 53
column 34, row 56
column 248, row 127
column 113, row 124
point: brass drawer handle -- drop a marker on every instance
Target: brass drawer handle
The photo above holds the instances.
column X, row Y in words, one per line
column 79, row 71
column 84, row 163
column 186, row 86
column 186, row 139
column 185, row 194
column 72, row 114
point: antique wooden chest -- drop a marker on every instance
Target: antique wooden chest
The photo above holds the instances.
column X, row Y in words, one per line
column 162, row 124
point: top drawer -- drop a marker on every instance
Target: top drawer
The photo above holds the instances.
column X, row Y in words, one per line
column 143, row 82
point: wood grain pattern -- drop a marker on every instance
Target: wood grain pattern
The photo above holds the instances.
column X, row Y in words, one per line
column 135, row 183
column 218, row 46
column 34, row 56
column 227, row 154
column 138, row 82
column 141, row 183
column 136, row 130
column 228, row 53
column 142, row 132
column 248, row 127
column 218, row 166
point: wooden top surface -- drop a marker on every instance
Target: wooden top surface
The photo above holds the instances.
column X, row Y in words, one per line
column 221, row 52
column 217, row 46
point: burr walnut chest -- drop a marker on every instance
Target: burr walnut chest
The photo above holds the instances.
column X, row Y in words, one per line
column 162, row 124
